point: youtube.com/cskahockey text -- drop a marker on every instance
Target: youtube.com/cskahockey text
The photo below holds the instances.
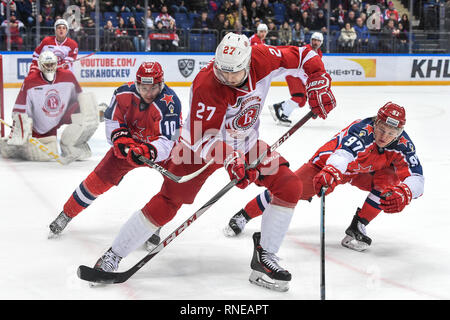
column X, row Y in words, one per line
column 226, row 309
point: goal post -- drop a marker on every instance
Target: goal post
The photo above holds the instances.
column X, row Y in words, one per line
column 2, row 109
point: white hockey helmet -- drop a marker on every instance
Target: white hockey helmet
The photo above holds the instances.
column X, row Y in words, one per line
column 232, row 55
column 62, row 22
column 317, row 36
column 48, row 62
column 262, row 27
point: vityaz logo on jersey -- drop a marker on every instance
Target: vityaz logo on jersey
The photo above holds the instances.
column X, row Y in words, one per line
column 52, row 104
column 248, row 115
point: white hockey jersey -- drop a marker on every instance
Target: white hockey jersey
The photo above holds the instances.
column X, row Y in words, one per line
column 46, row 103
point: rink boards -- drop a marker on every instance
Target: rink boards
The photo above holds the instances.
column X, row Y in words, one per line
column 112, row 69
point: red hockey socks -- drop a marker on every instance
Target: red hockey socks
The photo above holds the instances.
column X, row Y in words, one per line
column 85, row 194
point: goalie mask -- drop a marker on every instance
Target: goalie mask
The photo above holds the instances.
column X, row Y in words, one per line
column 47, row 63
column 149, row 80
column 232, row 59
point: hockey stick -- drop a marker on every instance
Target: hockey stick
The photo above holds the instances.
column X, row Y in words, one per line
column 78, row 59
column 170, row 175
column 35, row 142
column 99, row 276
column 322, row 243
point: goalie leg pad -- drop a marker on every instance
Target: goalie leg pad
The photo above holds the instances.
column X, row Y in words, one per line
column 42, row 149
column 84, row 124
column 21, row 129
column 9, row 151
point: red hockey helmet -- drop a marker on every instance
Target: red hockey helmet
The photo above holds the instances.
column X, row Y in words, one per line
column 150, row 73
column 393, row 115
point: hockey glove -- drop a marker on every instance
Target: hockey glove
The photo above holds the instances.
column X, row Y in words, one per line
column 21, row 130
column 395, row 198
column 145, row 149
column 121, row 139
column 321, row 99
column 328, row 177
column 235, row 165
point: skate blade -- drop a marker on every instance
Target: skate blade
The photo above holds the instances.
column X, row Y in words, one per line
column 52, row 235
column 227, row 231
column 352, row 243
column 96, row 285
column 262, row 280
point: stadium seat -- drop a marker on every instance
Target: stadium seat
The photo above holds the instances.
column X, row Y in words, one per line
column 195, row 42
column 209, row 42
column 180, row 18
column 126, row 16
column 110, row 15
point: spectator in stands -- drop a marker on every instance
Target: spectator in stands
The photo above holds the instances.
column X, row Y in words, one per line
column 266, row 11
column 84, row 16
column 164, row 17
column 48, row 14
column 227, row 8
column 219, row 23
column 109, row 37
column 253, row 11
column 123, row 40
column 25, row 12
column 106, row 5
column 389, row 36
column 306, row 21
column 320, row 22
column 347, row 38
column 159, row 44
column 122, row 6
column 285, row 34
column 149, row 20
column 351, row 18
column 405, row 21
column 246, row 22
column 90, row 5
column 16, row 27
column 362, row 36
column 178, row 7
column 391, row 10
column 298, row 36
column 338, row 16
column 293, row 13
column 272, row 34
column 403, row 38
column 135, row 33
column 203, row 22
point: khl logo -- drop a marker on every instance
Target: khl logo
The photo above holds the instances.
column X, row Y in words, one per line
column 23, row 66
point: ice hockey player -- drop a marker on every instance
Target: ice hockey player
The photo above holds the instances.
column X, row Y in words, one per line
column 49, row 98
column 143, row 118
column 296, row 83
column 65, row 48
column 225, row 103
column 373, row 154
column 260, row 35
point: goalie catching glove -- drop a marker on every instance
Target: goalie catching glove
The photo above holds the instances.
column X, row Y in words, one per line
column 320, row 97
column 395, row 198
column 21, row 130
column 236, row 167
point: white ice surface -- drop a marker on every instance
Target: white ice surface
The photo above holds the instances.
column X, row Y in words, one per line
column 409, row 257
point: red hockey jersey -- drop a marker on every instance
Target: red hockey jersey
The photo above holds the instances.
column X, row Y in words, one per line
column 66, row 51
column 223, row 113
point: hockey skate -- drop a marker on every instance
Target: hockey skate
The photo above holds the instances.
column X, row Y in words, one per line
column 237, row 224
column 356, row 237
column 108, row 262
column 153, row 241
column 58, row 225
column 266, row 271
column 277, row 114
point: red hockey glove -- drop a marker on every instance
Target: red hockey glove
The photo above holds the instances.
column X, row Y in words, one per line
column 321, row 99
column 145, row 149
column 235, row 165
column 300, row 99
column 121, row 139
column 328, row 177
column 395, row 198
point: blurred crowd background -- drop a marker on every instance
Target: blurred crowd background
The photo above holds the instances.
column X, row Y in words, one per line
column 348, row 26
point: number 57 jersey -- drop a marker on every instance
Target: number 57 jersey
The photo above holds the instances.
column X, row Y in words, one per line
column 353, row 151
column 231, row 114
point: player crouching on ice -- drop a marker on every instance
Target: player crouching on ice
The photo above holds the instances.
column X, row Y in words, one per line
column 373, row 154
column 49, row 98
column 142, row 119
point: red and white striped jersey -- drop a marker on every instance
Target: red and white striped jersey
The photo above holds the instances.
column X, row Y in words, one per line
column 255, row 40
column 46, row 102
column 223, row 113
column 66, row 51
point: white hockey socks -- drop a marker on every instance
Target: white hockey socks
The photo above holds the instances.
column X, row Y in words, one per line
column 274, row 226
column 133, row 234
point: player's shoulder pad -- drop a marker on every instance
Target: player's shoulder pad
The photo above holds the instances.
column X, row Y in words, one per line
column 362, row 129
column 168, row 101
column 126, row 87
column 404, row 144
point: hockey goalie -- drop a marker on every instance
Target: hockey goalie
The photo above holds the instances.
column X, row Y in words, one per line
column 49, row 98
